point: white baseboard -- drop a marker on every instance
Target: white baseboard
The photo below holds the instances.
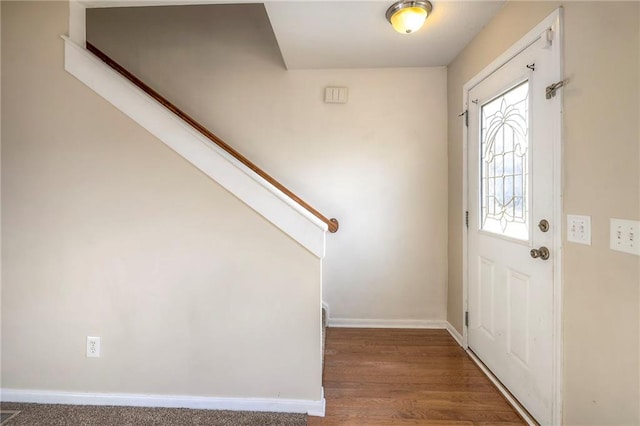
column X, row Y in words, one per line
column 454, row 333
column 319, row 410
column 310, row 407
column 384, row 323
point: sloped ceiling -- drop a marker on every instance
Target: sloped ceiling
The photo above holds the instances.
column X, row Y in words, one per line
column 355, row 34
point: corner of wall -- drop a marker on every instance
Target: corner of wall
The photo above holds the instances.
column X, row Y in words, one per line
column 77, row 22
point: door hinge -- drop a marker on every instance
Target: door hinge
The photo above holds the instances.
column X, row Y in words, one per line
column 466, row 117
column 548, row 37
column 466, row 319
column 466, row 218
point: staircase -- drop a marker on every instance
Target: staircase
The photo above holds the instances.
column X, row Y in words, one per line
column 226, row 166
column 199, row 146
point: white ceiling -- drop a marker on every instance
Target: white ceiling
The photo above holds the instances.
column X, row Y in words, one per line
column 356, row 34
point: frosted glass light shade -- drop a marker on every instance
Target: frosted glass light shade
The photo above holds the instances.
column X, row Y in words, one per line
column 408, row 16
column 408, row 20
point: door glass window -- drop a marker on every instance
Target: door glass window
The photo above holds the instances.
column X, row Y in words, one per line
column 504, row 161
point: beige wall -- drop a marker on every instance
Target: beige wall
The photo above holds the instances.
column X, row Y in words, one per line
column 601, row 179
column 107, row 232
column 377, row 163
column 0, row 191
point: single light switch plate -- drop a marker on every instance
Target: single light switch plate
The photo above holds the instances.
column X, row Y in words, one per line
column 579, row 229
column 624, row 236
column 93, row 347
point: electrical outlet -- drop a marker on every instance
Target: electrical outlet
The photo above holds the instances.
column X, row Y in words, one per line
column 93, row 347
column 625, row 236
column 579, row 229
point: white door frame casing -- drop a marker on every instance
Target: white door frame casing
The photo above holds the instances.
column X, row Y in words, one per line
column 554, row 21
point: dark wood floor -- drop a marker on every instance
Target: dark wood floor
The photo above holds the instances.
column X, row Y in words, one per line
column 406, row 377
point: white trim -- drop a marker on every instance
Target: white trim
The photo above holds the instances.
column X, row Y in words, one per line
column 555, row 21
column 77, row 22
column 524, row 42
column 558, row 214
column 504, row 391
column 454, row 333
column 327, row 311
column 319, row 408
column 216, row 163
column 464, row 224
column 276, row 405
column 386, row 323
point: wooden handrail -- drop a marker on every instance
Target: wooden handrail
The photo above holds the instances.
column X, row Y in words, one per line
column 332, row 223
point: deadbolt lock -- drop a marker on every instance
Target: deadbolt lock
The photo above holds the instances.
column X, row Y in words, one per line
column 542, row 253
column 544, row 225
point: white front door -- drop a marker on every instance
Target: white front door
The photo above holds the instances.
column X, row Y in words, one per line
column 510, row 225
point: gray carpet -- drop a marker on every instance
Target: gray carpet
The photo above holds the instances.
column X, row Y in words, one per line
column 89, row 415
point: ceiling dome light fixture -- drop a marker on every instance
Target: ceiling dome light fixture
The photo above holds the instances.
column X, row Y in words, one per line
column 408, row 16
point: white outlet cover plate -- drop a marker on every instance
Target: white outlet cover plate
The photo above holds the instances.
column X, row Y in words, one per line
column 624, row 236
column 579, row 229
column 93, row 347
